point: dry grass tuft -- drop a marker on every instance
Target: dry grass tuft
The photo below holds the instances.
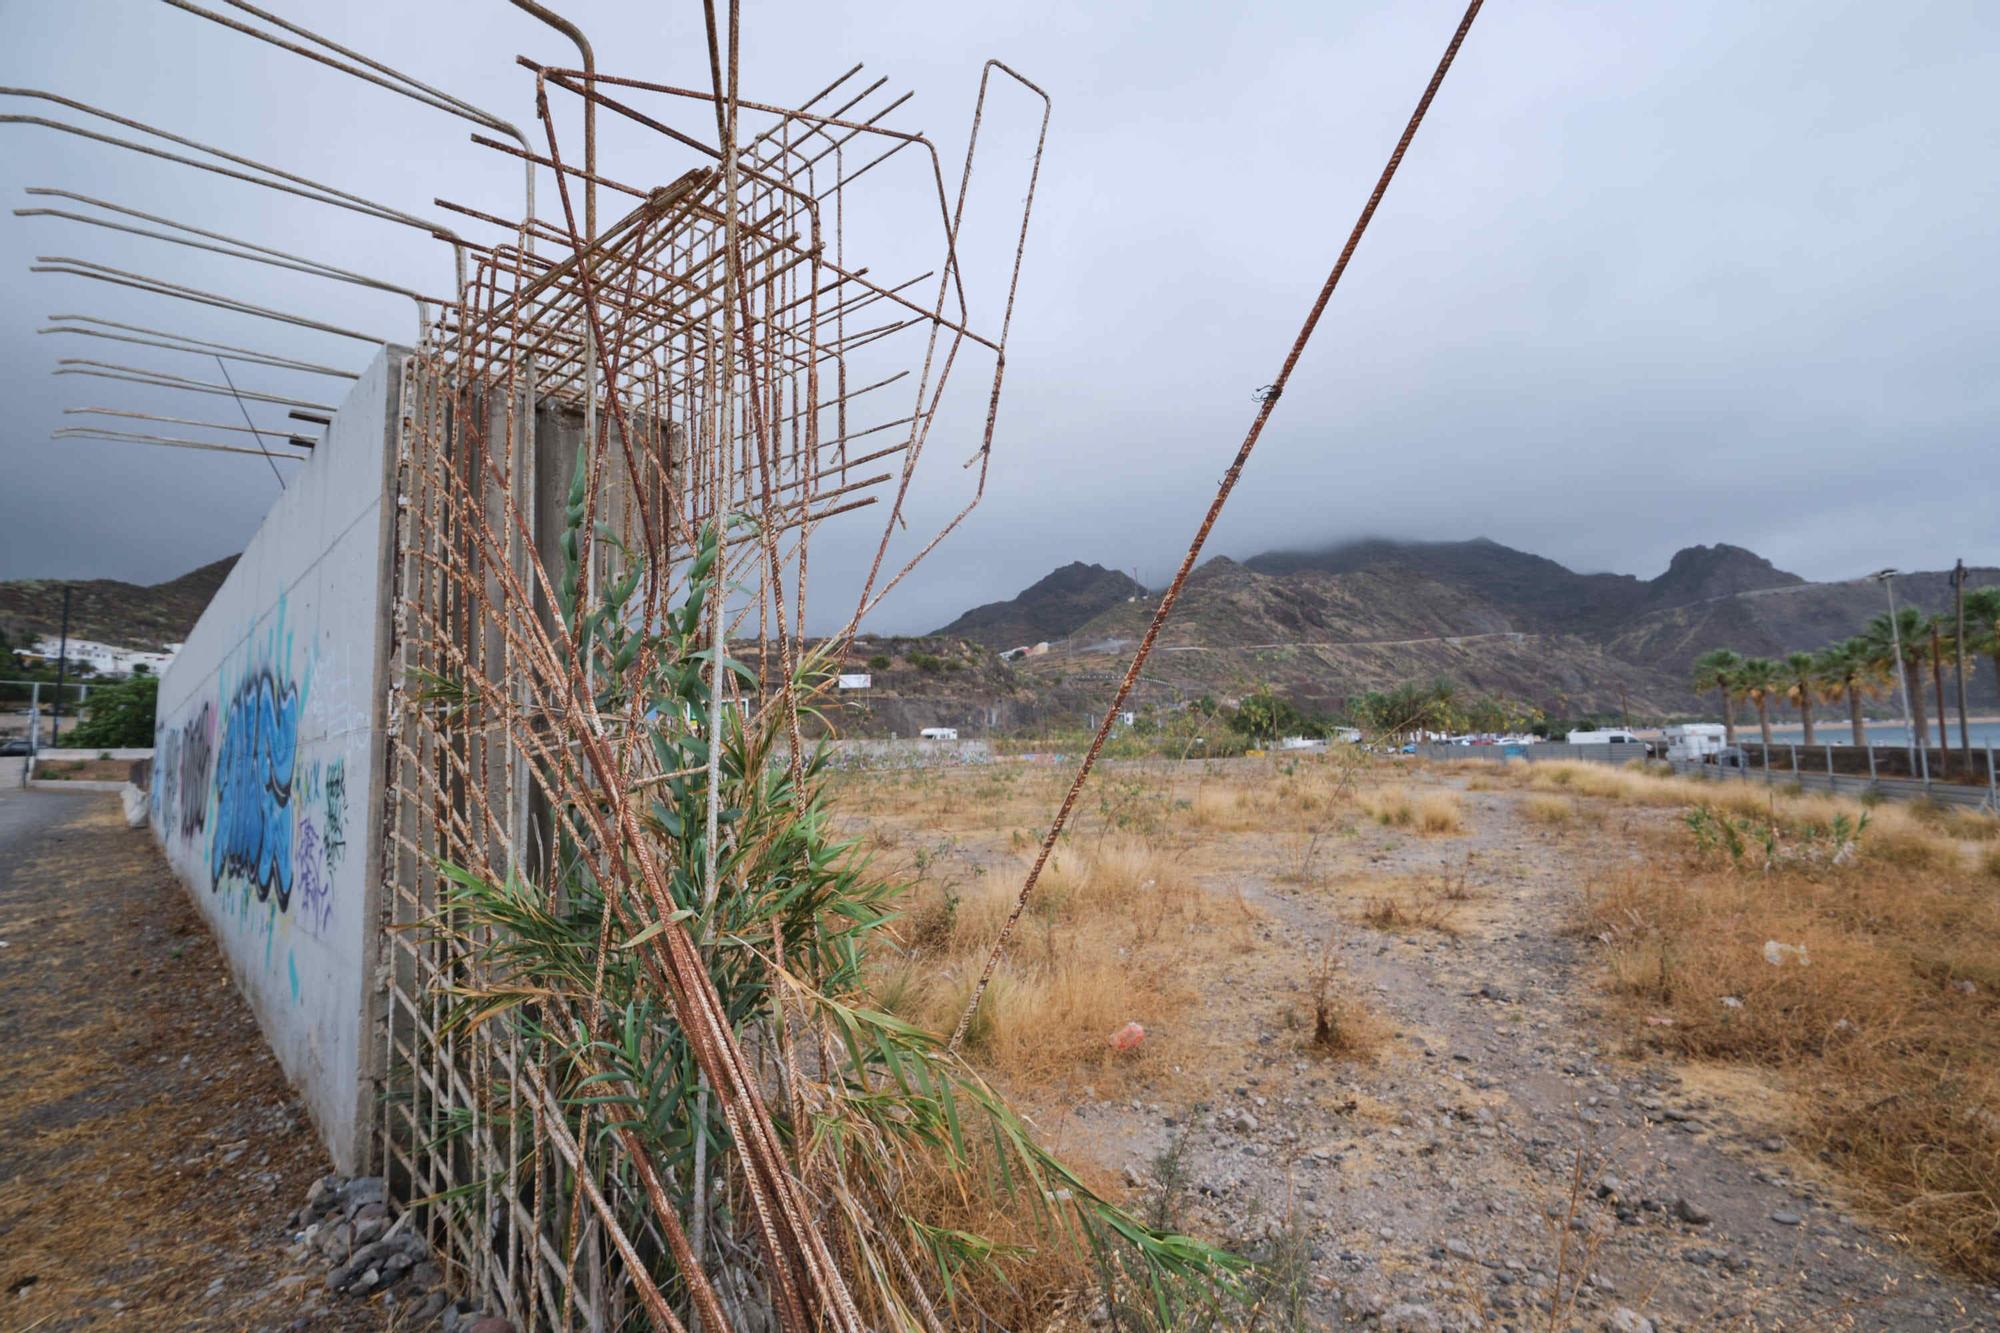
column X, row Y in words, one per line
column 1431, row 813
column 1549, row 809
column 1103, row 943
column 1885, row 1027
column 1414, row 904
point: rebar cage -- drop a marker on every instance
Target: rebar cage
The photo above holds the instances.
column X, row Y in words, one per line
column 612, row 430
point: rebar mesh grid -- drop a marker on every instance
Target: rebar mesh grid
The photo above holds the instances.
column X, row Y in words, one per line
column 610, row 427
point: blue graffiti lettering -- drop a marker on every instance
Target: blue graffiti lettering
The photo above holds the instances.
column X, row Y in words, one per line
column 253, row 787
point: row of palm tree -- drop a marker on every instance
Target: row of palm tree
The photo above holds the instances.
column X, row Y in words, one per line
column 1856, row 669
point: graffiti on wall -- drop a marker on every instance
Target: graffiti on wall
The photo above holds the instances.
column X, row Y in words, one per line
column 184, row 762
column 335, row 818
column 253, row 786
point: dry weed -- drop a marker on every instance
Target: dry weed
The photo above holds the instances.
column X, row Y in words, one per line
column 1873, row 986
column 1549, row 809
column 1103, row 943
column 1430, row 813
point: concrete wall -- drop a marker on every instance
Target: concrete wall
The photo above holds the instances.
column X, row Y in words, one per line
column 265, row 793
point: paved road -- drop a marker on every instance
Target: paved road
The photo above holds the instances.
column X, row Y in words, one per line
column 28, row 815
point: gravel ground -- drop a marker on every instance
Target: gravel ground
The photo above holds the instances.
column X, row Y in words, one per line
column 1497, row 1165
column 151, row 1153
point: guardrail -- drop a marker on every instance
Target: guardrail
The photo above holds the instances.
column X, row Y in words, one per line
column 1849, row 784
column 1541, row 752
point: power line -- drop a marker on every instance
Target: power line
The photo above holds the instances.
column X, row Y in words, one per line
column 271, row 462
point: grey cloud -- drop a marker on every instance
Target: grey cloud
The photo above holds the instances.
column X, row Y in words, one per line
column 1654, row 274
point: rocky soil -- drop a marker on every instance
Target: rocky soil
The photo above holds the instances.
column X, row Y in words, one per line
column 1499, row 1164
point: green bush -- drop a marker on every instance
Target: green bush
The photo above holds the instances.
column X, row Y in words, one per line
column 879, row 662
column 116, row 716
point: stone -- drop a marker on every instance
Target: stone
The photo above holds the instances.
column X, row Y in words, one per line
column 1624, row 1319
column 362, row 1191
column 335, row 1243
column 426, row 1274
column 1458, row 1249
column 322, row 1195
column 1784, row 1217
column 1409, row 1317
column 368, row 1229
column 1689, row 1213
column 491, row 1323
column 427, row 1308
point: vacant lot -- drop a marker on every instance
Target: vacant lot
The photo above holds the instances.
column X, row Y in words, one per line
column 1452, row 1044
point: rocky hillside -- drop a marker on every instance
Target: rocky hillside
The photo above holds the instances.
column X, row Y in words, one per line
column 1053, row 607
column 108, row 611
column 1322, row 625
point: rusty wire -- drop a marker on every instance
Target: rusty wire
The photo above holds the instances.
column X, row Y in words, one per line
column 675, row 358
column 1267, row 399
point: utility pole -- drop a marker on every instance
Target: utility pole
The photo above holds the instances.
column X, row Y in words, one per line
column 1958, row 643
column 1919, row 752
column 62, row 664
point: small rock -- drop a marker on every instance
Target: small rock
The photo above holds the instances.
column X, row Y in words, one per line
column 1409, row 1317
column 335, row 1243
column 1687, row 1212
column 362, row 1191
column 1773, row 1144
column 1784, row 1217
column 1458, row 1249
column 427, row 1308
column 321, row 1195
column 1624, row 1319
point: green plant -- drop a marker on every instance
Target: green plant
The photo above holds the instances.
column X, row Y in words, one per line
column 934, row 1188
column 879, row 662
column 116, row 715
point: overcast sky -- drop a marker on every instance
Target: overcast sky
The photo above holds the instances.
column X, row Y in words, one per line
column 1654, row 274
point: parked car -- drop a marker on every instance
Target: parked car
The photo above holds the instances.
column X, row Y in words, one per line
column 15, row 745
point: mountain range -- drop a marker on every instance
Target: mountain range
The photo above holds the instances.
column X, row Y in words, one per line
column 1324, row 624
column 133, row 615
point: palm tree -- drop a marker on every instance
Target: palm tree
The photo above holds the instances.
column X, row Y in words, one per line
column 1716, row 670
column 1913, row 627
column 1941, row 633
column 1848, row 671
column 1757, row 680
column 1801, row 677
column 1982, row 624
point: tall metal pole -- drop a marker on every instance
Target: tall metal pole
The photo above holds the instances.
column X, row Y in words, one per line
column 1888, row 577
column 1958, row 644
column 62, row 664
column 1937, row 682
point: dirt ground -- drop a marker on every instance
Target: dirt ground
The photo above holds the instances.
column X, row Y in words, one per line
column 151, row 1153
column 1499, row 1160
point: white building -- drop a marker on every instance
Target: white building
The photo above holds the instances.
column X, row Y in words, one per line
column 104, row 659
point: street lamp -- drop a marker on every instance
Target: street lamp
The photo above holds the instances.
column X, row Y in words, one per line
column 1918, row 757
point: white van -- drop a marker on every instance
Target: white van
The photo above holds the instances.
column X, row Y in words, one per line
column 1609, row 736
column 939, row 733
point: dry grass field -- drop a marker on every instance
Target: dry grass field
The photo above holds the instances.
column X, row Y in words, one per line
column 1302, row 939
